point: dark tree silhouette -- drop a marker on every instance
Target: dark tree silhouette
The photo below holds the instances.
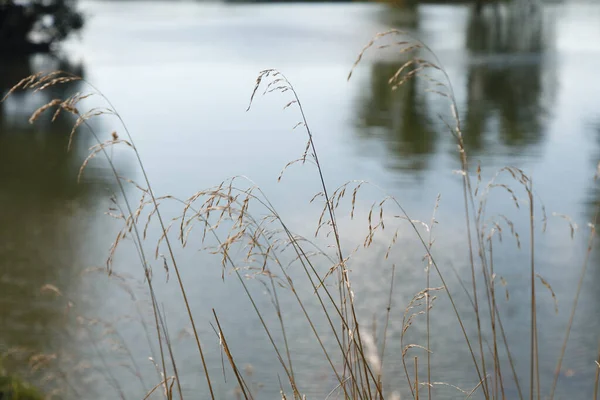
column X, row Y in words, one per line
column 36, row 25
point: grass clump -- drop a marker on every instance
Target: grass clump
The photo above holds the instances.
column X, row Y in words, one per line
column 236, row 221
column 14, row 388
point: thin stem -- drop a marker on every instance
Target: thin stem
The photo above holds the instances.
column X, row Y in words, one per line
column 284, row 334
column 597, row 380
column 385, row 329
column 138, row 241
column 534, row 372
column 498, row 371
column 417, row 377
column 574, row 307
column 234, row 367
column 167, row 240
column 329, row 206
column 509, row 354
column 466, row 192
column 428, row 299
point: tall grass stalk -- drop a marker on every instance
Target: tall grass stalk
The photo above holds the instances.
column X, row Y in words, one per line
column 227, row 214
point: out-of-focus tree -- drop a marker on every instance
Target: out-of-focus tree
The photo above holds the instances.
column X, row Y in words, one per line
column 36, row 25
column 478, row 4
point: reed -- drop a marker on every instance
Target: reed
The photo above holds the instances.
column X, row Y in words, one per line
column 236, row 217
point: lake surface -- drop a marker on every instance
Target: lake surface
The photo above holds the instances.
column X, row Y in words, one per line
column 181, row 73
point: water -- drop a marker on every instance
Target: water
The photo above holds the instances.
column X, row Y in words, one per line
column 181, row 74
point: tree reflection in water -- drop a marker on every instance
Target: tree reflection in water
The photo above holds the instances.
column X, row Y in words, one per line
column 49, row 220
column 510, row 87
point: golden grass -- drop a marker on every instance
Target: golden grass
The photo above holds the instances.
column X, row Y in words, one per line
column 356, row 359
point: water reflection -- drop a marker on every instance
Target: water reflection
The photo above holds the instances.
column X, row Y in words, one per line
column 48, row 228
column 592, row 199
column 509, row 97
column 46, row 215
column 505, row 79
column 583, row 346
column 509, row 89
column 403, row 15
column 401, row 116
column 514, row 28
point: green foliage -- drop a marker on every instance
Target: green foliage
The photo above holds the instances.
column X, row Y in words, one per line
column 36, row 25
column 13, row 388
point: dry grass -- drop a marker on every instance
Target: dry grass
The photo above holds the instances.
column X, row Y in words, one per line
column 228, row 217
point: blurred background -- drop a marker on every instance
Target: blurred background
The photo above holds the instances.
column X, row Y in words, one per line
column 180, row 73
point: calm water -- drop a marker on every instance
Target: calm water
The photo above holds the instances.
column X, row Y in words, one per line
column 181, row 74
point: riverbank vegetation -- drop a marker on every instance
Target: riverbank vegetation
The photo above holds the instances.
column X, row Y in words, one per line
column 256, row 246
column 36, row 26
column 13, row 388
